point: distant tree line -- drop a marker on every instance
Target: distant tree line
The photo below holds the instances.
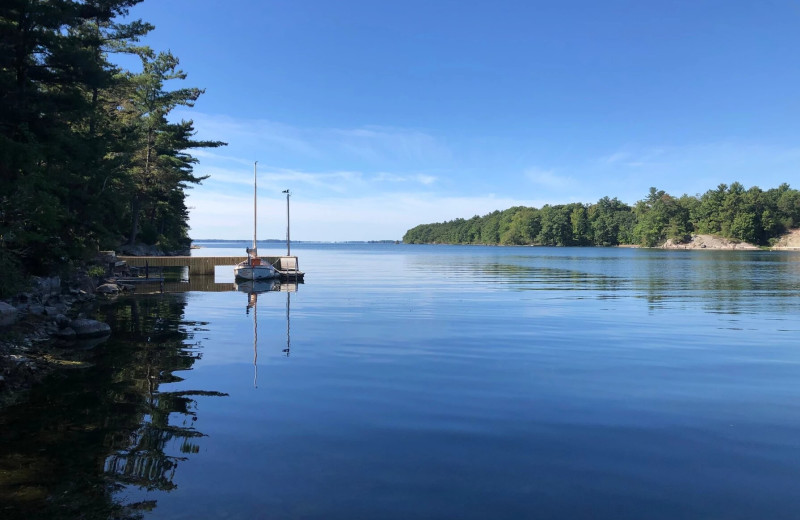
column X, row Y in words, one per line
column 88, row 156
column 750, row 215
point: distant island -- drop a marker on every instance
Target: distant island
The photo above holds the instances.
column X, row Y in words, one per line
column 732, row 212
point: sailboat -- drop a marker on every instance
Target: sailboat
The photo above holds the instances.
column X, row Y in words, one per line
column 255, row 268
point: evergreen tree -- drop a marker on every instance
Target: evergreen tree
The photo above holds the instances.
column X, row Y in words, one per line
column 74, row 130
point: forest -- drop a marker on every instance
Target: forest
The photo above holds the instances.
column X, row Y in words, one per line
column 749, row 215
column 89, row 156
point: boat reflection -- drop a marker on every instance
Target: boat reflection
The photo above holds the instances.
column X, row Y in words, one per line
column 253, row 288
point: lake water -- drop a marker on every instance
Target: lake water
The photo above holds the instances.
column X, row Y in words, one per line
column 432, row 382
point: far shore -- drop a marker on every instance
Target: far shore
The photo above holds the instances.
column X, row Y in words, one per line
column 788, row 242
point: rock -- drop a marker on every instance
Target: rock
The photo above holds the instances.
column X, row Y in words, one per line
column 35, row 308
column 19, row 360
column 62, row 321
column 50, row 328
column 708, row 242
column 83, row 283
column 8, row 314
column 108, row 288
column 789, row 241
column 46, row 286
column 85, row 328
column 106, row 257
column 83, row 296
column 67, row 333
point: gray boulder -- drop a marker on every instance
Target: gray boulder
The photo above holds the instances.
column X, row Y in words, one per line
column 55, row 309
column 67, row 333
column 83, row 283
column 106, row 257
column 108, row 288
column 83, row 296
column 85, row 328
column 8, row 314
column 46, row 286
column 36, row 309
column 62, row 321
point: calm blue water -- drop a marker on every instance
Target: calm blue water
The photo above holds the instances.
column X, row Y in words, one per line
column 446, row 382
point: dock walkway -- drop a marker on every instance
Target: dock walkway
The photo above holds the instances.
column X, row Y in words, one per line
column 205, row 265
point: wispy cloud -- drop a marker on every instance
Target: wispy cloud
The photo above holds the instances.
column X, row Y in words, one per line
column 226, row 180
column 631, row 170
column 615, row 158
column 329, row 148
column 386, row 144
column 374, row 182
column 426, row 180
column 355, row 162
column 386, row 216
column 635, row 158
column 549, row 179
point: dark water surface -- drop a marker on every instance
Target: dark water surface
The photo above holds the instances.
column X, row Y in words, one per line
column 433, row 382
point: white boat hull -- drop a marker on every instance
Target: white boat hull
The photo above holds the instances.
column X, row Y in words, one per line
column 255, row 272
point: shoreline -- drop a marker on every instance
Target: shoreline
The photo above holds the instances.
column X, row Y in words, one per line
column 46, row 326
column 40, row 336
column 789, row 241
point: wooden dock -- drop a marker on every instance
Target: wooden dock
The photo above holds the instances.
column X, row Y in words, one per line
column 205, row 265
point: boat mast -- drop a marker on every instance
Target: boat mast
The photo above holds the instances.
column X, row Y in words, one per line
column 255, row 207
column 288, row 247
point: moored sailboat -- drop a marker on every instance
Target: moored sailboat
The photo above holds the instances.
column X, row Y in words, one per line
column 255, row 268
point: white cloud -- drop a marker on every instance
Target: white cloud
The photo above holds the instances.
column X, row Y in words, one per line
column 615, row 157
column 548, row 179
column 386, row 216
column 425, row 180
column 373, row 182
column 287, row 145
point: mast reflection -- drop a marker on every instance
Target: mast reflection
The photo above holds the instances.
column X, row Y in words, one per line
column 253, row 288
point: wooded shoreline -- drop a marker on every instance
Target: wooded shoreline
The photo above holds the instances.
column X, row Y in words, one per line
column 731, row 212
column 91, row 157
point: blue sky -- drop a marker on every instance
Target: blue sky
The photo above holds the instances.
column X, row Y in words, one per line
column 380, row 115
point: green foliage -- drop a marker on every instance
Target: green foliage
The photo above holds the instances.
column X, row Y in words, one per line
column 87, row 152
column 750, row 215
column 96, row 271
column 660, row 217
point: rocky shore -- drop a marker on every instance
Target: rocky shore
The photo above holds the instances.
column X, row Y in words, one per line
column 788, row 242
column 41, row 327
column 708, row 242
column 47, row 326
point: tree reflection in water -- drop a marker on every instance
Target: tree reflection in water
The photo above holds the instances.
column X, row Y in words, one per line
column 90, row 432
